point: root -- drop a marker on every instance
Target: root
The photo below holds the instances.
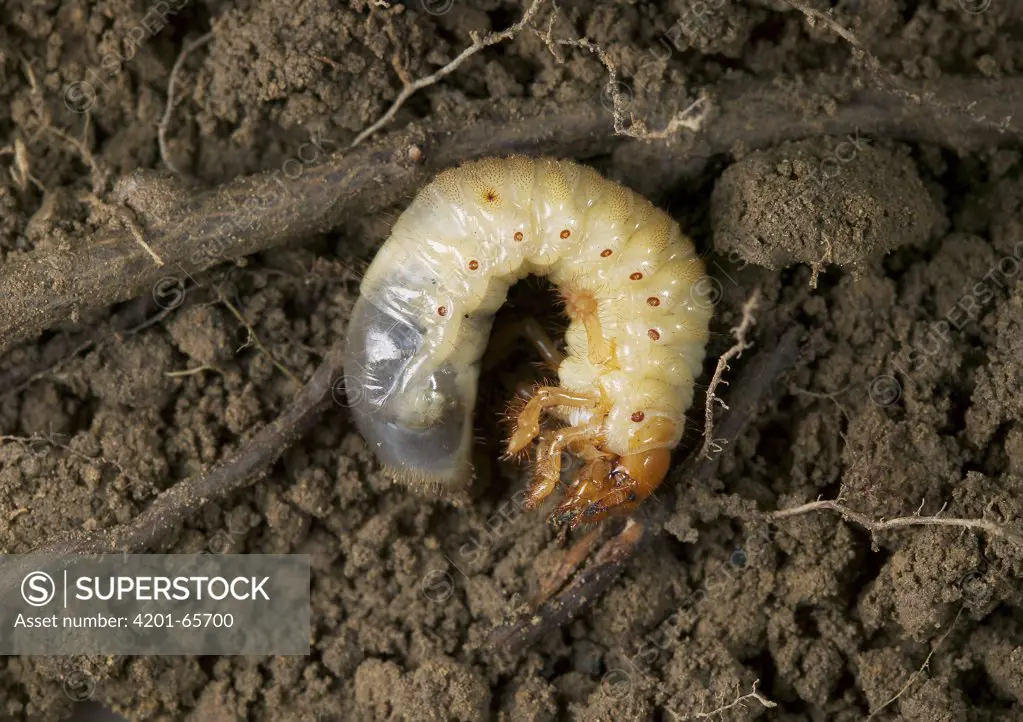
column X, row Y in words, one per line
column 127, row 216
column 607, row 564
column 572, row 559
column 21, row 172
column 188, row 497
column 913, row 677
column 741, row 344
column 254, row 339
column 161, row 129
column 820, row 263
column 251, row 214
column 759, row 378
column 191, row 372
column 886, row 80
column 691, row 118
column 814, row 16
column 30, row 444
column 875, row 527
column 409, row 87
column 739, row 701
column 99, row 172
column 17, row 380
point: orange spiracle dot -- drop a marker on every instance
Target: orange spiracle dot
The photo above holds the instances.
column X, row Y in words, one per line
column 638, row 416
column 636, row 276
column 566, row 233
column 654, row 334
column 653, row 301
column 605, row 253
column 474, row 264
column 442, row 310
column 490, row 195
column 518, row 235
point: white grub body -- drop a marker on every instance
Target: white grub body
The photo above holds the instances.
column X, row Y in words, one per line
column 437, row 282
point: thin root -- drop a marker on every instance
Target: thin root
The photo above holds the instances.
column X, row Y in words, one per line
column 161, row 129
column 254, row 338
column 479, row 42
column 741, row 344
column 691, row 118
column 874, row 527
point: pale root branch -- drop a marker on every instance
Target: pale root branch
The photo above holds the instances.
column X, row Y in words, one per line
column 254, row 339
column 161, row 129
column 886, row 79
column 875, row 526
column 913, row 677
column 479, row 42
column 690, row 119
column 738, row 701
column 741, row 344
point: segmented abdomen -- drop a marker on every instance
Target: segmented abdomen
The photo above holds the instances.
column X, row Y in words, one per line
column 477, row 229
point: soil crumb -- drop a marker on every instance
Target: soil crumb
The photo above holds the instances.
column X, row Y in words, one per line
column 843, row 201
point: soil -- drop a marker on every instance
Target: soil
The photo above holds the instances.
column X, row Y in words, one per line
column 901, row 259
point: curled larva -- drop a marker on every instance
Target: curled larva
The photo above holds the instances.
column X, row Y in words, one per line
column 635, row 343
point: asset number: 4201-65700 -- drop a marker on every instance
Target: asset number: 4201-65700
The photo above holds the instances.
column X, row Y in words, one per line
column 205, row 619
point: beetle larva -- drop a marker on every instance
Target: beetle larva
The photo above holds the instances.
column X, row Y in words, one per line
column 635, row 342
